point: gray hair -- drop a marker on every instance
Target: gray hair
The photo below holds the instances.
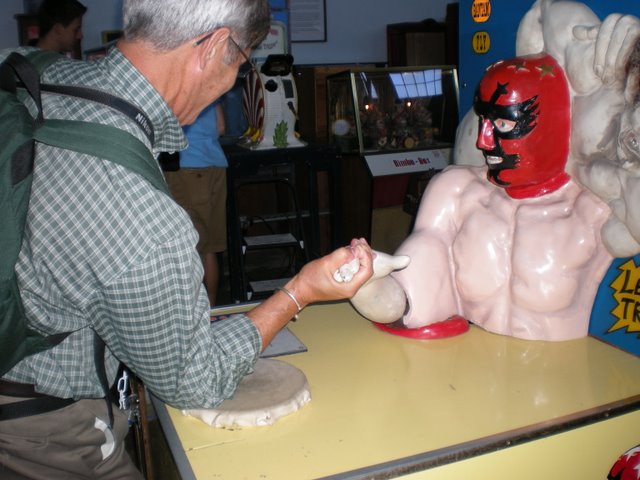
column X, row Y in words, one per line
column 167, row 24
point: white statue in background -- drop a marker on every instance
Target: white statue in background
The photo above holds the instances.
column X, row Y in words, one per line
column 601, row 63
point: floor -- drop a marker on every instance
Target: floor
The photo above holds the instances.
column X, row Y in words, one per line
column 164, row 467
column 155, row 462
column 269, row 264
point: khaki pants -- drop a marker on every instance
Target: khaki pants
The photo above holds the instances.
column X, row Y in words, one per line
column 71, row 443
column 202, row 192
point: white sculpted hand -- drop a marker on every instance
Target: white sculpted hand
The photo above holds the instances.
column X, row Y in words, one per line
column 615, row 39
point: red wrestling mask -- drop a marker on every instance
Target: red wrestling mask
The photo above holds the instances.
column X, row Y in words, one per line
column 524, row 128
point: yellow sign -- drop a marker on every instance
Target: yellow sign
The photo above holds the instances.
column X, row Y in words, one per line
column 481, row 10
column 627, row 294
column 481, row 42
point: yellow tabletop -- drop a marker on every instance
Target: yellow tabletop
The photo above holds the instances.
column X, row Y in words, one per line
column 382, row 403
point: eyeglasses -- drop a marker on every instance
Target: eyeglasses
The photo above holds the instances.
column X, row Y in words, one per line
column 245, row 68
column 248, row 65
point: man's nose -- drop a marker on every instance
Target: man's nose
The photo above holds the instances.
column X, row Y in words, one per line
column 485, row 141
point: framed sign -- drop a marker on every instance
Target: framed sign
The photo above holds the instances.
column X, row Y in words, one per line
column 110, row 35
column 308, row 20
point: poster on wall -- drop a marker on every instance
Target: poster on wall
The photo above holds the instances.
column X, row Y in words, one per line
column 308, row 20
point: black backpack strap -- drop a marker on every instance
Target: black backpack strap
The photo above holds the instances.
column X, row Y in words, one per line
column 15, row 67
column 104, row 98
column 95, row 139
column 33, row 406
column 12, row 353
column 42, row 59
column 98, row 358
column 104, row 141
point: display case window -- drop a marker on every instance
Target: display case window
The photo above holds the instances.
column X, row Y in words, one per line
column 373, row 93
column 424, row 83
column 386, row 109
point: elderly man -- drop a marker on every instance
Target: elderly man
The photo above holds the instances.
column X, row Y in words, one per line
column 106, row 252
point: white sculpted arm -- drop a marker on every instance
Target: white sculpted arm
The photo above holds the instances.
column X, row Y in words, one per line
column 424, row 292
column 595, row 57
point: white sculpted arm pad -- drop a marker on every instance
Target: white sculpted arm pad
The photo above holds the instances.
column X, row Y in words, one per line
column 382, row 299
column 529, row 38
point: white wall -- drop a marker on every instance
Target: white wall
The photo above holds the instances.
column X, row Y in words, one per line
column 8, row 25
column 101, row 15
column 355, row 28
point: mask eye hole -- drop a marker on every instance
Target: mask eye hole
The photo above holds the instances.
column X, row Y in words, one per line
column 503, row 125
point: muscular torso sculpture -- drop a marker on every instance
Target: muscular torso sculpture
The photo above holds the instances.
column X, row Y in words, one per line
column 519, row 268
column 513, row 246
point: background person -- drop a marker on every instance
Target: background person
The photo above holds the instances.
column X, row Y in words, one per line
column 200, row 187
column 60, row 24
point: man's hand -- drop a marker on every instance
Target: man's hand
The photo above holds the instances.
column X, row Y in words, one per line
column 383, row 265
column 314, row 283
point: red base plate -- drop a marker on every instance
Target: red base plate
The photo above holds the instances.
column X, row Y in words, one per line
column 451, row 327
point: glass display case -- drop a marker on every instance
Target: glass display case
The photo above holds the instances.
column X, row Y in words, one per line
column 394, row 128
column 390, row 109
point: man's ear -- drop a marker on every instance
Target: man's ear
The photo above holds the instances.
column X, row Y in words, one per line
column 58, row 29
column 213, row 47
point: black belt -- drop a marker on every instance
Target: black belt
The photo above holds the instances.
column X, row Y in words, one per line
column 13, row 389
column 36, row 404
